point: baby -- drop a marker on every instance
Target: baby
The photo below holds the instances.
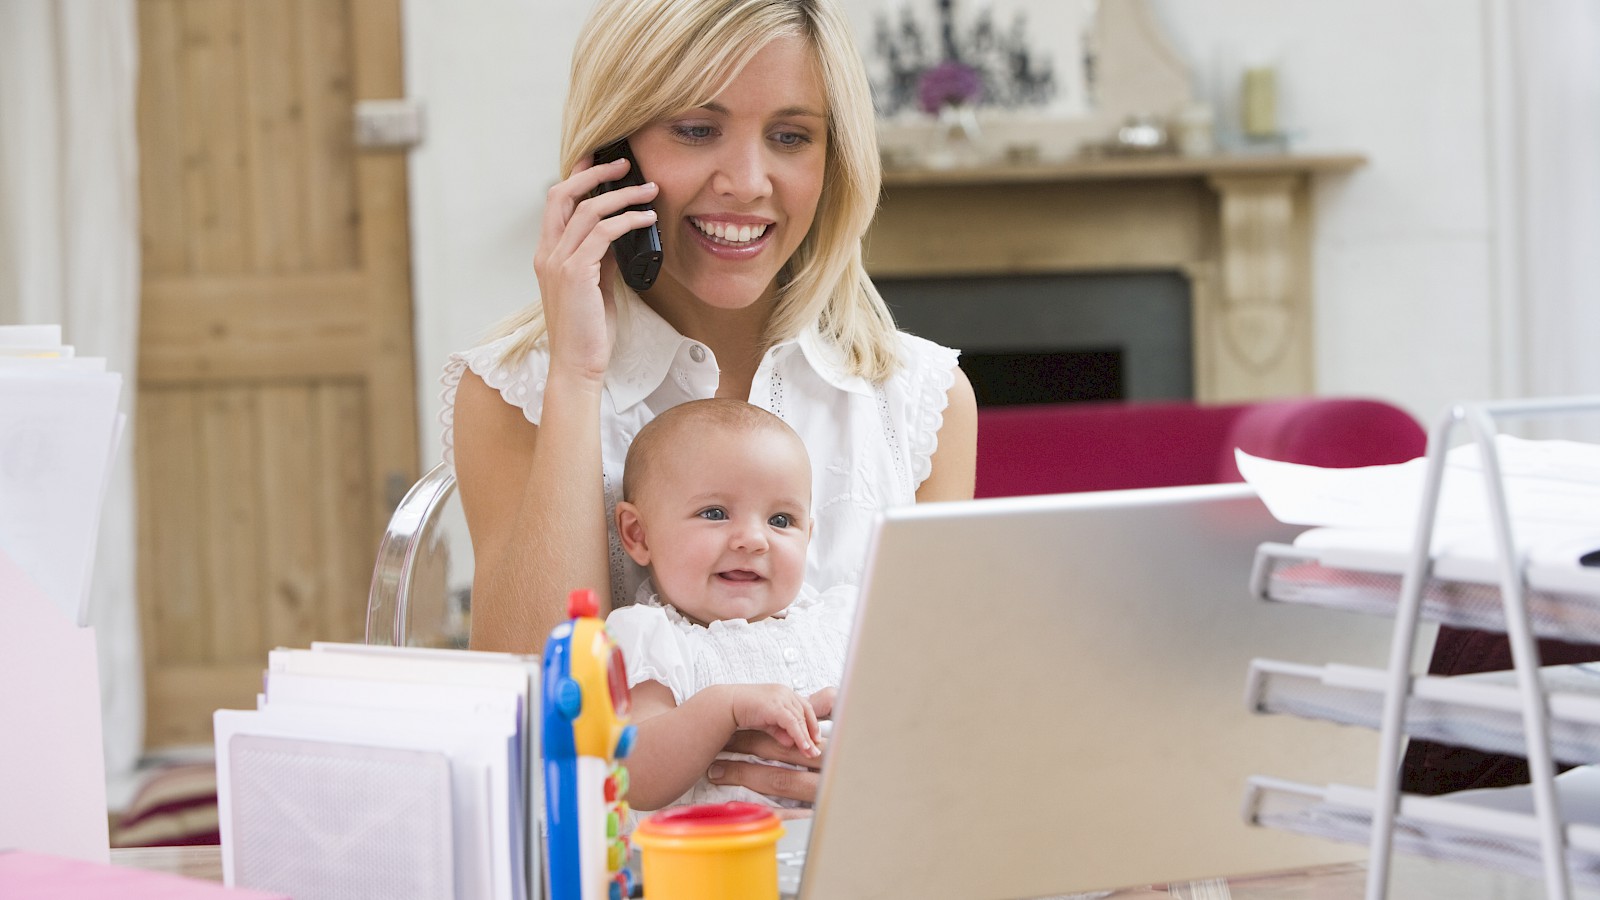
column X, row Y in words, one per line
column 725, row 635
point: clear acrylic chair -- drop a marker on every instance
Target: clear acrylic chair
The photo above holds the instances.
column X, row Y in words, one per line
column 421, row 583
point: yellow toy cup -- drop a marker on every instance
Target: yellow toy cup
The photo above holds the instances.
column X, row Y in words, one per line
column 721, row 851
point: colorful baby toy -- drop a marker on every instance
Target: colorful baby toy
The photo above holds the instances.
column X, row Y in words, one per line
column 585, row 732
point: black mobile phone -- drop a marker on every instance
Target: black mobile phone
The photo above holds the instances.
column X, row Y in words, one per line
column 639, row 251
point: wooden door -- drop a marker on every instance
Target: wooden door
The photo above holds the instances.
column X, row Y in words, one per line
column 276, row 406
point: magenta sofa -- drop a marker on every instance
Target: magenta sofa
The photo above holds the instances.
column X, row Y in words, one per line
column 1070, row 447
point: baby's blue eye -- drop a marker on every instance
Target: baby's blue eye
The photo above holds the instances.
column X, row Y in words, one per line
column 781, row 520
column 715, row 514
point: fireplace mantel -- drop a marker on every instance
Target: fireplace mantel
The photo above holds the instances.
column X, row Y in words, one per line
column 1239, row 227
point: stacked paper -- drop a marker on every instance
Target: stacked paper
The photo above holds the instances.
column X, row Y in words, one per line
column 59, row 427
column 1482, row 711
column 383, row 772
column 1367, row 516
column 1495, row 827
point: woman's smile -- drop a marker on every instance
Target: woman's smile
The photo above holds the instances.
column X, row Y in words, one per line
column 730, row 233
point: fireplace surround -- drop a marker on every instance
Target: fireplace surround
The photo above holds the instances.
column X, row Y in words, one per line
column 1238, row 229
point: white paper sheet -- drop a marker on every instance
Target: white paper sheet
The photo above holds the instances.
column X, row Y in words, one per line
column 1552, row 490
column 58, row 430
column 33, row 341
column 53, row 364
column 477, row 747
column 30, row 335
column 473, row 706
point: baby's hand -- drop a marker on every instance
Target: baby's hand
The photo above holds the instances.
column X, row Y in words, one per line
column 778, row 711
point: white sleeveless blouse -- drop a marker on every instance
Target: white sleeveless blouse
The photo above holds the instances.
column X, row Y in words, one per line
column 871, row 445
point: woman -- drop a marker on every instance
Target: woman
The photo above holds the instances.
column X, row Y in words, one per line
column 753, row 123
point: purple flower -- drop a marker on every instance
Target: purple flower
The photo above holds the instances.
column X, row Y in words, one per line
column 949, row 82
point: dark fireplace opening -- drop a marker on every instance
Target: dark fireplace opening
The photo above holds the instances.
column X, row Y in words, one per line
column 1003, row 379
column 1059, row 337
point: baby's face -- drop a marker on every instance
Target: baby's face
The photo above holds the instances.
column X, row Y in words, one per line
column 726, row 525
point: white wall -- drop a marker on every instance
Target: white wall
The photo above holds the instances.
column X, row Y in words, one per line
column 492, row 75
column 1405, row 281
column 1405, row 248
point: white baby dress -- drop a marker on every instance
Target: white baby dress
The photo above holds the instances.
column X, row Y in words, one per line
column 803, row 647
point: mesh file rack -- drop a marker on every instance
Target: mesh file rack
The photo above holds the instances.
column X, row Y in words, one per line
column 1544, row 714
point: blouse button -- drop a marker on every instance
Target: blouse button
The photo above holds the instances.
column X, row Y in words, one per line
column 790, row 654
column 697, row 353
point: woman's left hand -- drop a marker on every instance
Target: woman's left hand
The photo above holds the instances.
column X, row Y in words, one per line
column 776, row 781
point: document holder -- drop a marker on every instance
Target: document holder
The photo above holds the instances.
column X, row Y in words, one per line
column 1549, row 828
column 385, row 771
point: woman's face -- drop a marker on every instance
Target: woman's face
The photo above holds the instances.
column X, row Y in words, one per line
column 740, row 179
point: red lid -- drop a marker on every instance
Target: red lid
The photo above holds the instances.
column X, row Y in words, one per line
column 734, row 817
column 582, row 604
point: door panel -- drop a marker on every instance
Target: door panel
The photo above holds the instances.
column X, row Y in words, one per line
column 276, row 392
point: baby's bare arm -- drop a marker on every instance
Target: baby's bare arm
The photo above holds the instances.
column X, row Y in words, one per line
column 676, row 743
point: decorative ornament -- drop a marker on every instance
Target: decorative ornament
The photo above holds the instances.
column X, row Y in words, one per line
column 950, row 83
column 980, row 65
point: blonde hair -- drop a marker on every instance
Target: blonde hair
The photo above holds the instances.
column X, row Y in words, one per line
column 665, row 432
column 688, row 51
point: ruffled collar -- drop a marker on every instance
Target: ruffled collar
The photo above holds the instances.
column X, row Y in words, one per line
column 647, row 345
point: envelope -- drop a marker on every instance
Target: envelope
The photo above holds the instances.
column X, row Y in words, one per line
column 370, row 747
column 339, row 820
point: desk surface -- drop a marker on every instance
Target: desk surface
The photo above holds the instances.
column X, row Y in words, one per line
column 1412, row 878
column 193, row 862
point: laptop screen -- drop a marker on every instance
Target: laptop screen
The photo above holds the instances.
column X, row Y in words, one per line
column 1045, row 694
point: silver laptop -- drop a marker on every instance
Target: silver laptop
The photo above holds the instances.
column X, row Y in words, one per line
column 1046, row 695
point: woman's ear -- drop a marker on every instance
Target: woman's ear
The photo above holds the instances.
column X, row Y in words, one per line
column 630, row 527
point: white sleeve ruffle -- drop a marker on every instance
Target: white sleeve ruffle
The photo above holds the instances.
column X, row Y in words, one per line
column 926, row 376
column 520, row 383
column 653, row 648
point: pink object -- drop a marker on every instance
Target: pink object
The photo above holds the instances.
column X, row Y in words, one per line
column 40, row 877
column 52, row 764
column 1071, row 447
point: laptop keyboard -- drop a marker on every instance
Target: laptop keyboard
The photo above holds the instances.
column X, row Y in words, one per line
column 792, row 856
column 790, row 864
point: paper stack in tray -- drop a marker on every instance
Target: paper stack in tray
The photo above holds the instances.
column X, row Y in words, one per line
column 384, row 772
column 59, row 427
column 1365, row 518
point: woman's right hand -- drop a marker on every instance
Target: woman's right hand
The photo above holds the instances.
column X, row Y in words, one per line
column 574, row 264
